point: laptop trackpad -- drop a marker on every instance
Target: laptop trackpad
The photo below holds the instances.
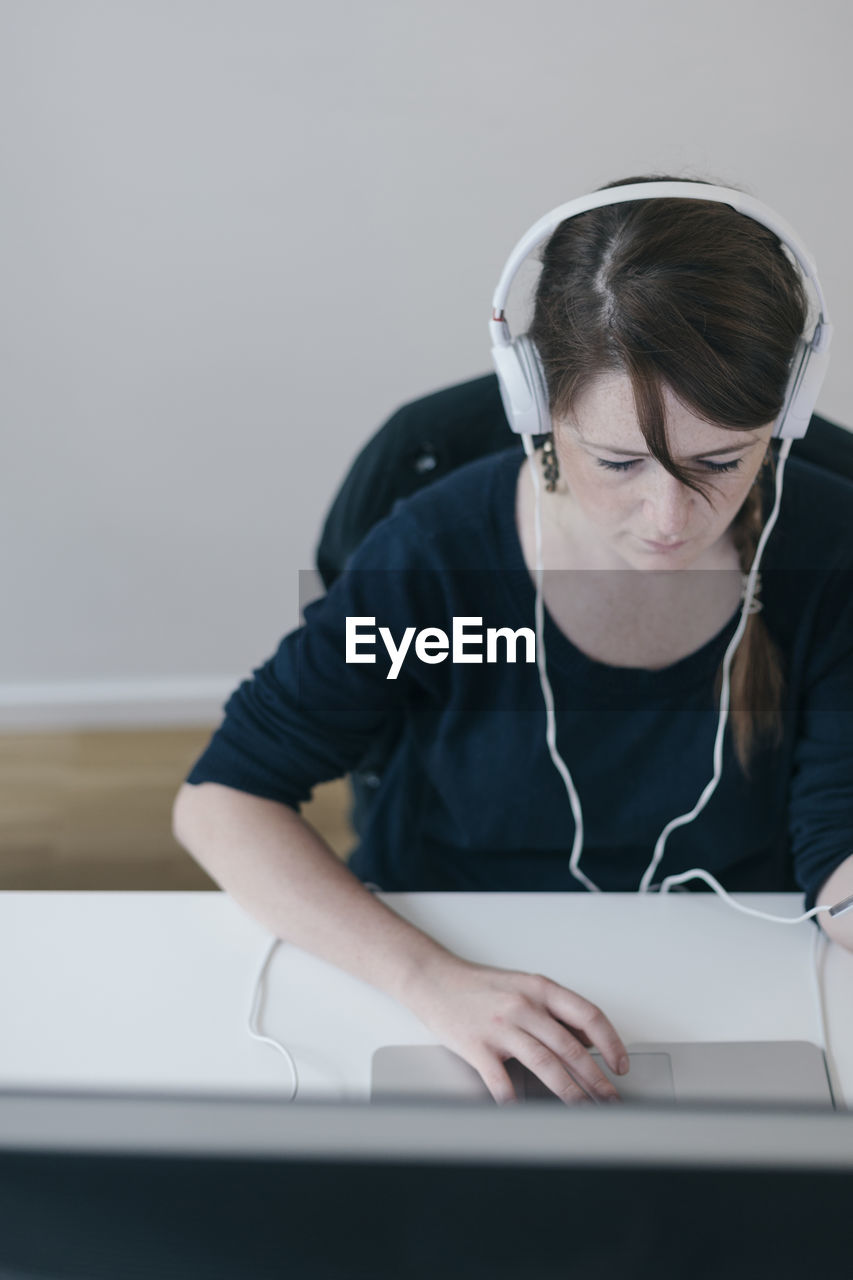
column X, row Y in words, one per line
column 432, row 1071
column 649, row 1079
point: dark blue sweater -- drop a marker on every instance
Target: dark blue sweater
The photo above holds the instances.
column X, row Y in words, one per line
column 470, row 798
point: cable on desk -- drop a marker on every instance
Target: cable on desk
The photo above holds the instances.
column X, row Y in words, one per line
column 667, row 885
column 819, row 954
column 257, row 1000
column 255, row 1015
column 697, row 873
column 818, row 949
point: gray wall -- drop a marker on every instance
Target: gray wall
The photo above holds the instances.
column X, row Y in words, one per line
column 237, row 233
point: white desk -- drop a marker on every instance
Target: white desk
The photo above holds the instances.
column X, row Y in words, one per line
column 152, row 991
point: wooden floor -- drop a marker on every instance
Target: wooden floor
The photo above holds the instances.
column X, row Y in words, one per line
column 92, row 810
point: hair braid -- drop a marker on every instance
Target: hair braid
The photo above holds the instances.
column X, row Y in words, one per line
column 757, row 676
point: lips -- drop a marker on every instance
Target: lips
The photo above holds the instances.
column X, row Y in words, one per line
column 663, row 546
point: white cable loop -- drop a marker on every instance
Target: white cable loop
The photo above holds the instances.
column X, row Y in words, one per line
column 697, row 873
column 254, row 1018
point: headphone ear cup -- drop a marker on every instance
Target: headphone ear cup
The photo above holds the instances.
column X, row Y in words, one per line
column 808, row 370
column 522, row 384
column 529, row 357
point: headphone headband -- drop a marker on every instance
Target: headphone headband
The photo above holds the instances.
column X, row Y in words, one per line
column 523, row 387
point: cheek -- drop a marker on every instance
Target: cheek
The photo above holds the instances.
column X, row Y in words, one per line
column 600, row 493
column 602, row 499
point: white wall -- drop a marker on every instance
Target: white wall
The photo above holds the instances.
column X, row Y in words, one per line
column 237, row 233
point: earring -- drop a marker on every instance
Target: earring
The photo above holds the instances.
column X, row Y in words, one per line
column 550, row 465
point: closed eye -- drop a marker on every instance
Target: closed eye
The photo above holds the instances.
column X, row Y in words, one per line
column 706, row 462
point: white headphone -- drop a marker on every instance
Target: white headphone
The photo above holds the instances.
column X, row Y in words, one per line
column 519, row 369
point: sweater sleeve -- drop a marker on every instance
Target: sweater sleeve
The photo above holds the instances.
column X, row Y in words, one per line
column 820, row 807
column 307, row 715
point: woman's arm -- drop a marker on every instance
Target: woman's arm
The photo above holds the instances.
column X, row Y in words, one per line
column 838, row 886
column 271, row 862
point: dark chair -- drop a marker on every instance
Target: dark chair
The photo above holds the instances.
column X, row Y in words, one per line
column 431, row 437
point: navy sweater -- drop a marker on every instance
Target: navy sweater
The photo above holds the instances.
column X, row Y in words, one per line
column 470, row 798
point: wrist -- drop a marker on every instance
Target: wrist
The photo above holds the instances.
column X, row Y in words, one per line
column 429, row 969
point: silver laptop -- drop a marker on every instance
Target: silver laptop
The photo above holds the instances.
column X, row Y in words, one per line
column 752, row 1073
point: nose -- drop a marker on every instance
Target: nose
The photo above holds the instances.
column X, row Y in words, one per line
column 666, row 505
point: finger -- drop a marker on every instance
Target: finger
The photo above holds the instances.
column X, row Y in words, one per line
column 564, row 1043
column 585, row 1017
column 496, row 1079
column 551, row 1070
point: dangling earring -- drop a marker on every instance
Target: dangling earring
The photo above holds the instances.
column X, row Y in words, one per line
column 550, row 465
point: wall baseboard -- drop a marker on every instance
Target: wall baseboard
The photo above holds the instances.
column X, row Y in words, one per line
column 128, row 704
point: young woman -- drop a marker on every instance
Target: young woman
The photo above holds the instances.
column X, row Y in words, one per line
column 666, row 331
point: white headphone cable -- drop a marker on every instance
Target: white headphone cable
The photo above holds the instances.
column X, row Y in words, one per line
column 547, row 694
column 725, row 693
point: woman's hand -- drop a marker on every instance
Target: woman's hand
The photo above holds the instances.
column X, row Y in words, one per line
column 489, row 1015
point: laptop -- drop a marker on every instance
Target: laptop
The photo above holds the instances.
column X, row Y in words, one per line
column 255, row 1188
column 750, row 1073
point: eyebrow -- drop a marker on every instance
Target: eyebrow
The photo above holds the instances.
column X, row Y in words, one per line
column 709, row 453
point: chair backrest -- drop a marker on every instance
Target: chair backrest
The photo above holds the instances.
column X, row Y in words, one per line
column 432, row 436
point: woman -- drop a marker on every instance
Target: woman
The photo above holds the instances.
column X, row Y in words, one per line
column 666, row 330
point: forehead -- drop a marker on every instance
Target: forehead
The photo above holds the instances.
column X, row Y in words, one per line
column 604, row 416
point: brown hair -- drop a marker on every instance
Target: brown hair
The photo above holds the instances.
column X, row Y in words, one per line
column 697, row 297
